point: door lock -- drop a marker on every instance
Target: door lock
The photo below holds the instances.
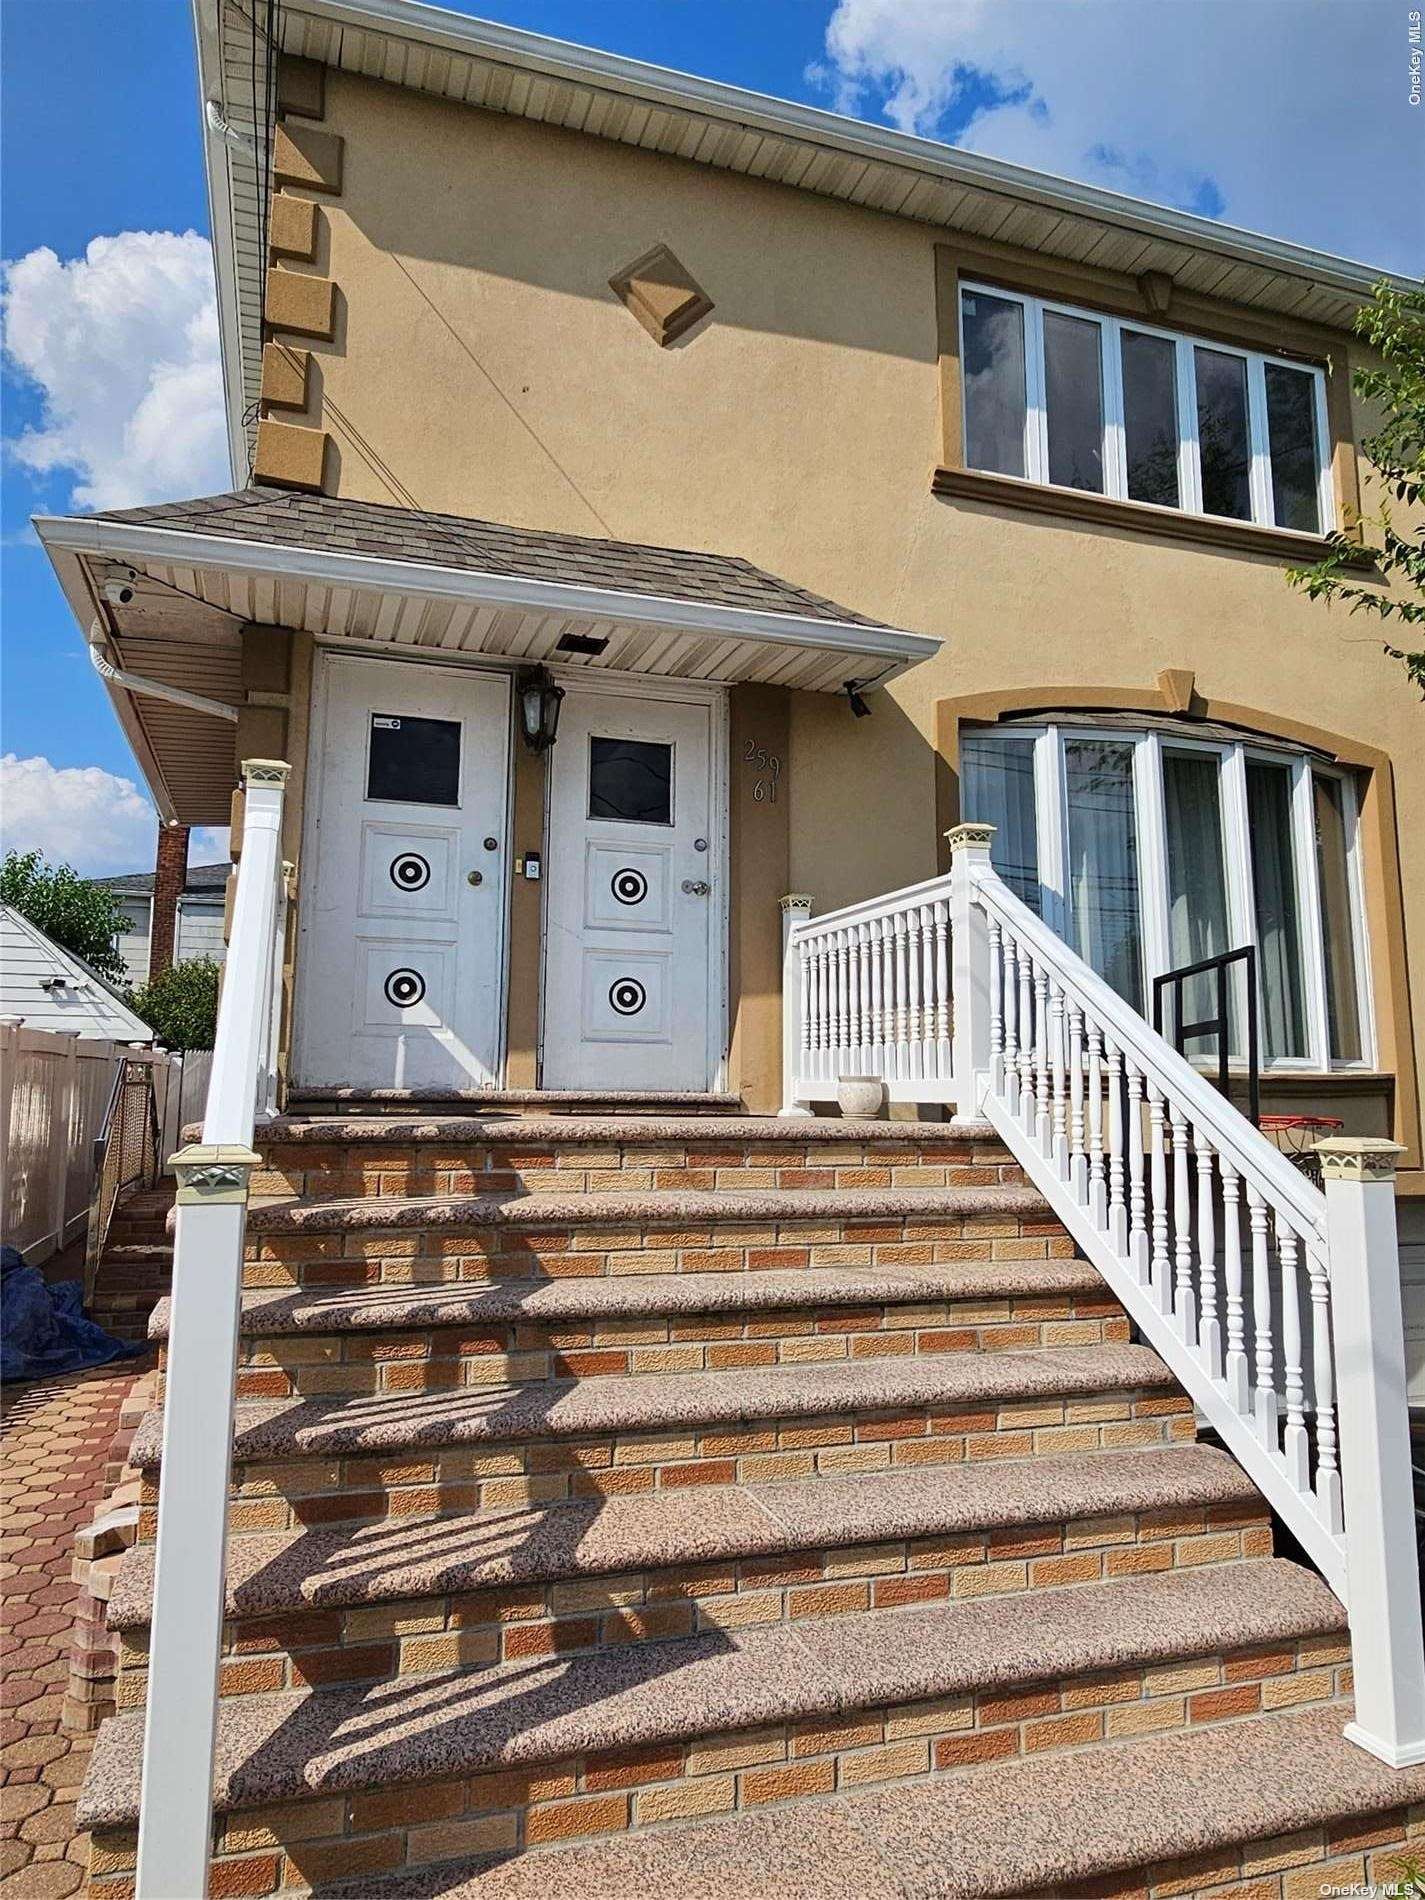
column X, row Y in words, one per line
column 474, row 877
column 696, row 886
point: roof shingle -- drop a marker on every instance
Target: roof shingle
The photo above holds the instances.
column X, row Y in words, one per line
column 331, row 523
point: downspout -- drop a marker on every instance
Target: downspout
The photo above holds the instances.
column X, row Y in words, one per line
column 152, row 689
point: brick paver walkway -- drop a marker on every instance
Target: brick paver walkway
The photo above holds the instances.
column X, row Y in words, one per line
column 53, row 1444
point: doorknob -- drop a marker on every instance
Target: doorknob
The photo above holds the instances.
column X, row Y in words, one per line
column 474, row 877
column 696, row 887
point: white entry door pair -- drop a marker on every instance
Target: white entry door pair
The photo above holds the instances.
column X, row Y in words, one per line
column 401, row 978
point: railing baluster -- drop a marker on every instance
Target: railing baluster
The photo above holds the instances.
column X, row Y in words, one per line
column 944, row 1061
column 1185, row 1298
column 1160, row 1265
column 1042, row 1122
column 879, row 1038
column 915, row 1013
column 1098, row 1181
column 1010, row 989
column 1235, row 1370
column 996, row 940
column 1328, row 1475
column 1117, row 1206
column 1026, row 1036
column 1060, row 1080
column 1137, row 1208
column 868, row 1031
column 1078, row 1160
column 1295, row 1444
column 930, row 1004
column 1209, row 1327
column 1264, row 1390
column 902, row 998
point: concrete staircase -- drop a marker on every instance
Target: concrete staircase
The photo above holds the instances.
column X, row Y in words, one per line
column 742, row 1506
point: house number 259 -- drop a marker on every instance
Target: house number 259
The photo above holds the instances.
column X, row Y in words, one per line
column 768, row 769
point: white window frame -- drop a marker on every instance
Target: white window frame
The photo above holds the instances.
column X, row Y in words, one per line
column 1114, row 449
column 1150, row 816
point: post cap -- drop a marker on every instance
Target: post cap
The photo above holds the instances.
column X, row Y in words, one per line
column 970, row 838
column 210, row 1174
column 265, row 771
column 1358, row 1158
column 795, row 900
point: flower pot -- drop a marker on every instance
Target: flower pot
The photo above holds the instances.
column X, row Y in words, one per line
column 861, row 1097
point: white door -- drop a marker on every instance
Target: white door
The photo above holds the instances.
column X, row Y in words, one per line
column 632, row 902
column 401, row 975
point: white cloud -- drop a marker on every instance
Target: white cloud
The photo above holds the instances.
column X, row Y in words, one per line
column 88, row 818
column 123, row 344
column 1286, row 116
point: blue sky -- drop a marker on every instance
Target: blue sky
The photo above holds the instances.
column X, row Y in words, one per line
column 1239, row 116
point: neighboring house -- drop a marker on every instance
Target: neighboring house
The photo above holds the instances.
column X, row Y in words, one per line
column 565, row 389
column 199, row 928
column 47, row 987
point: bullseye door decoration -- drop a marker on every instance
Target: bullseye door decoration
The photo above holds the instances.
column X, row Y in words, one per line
column 402, row 955
column 628, row 947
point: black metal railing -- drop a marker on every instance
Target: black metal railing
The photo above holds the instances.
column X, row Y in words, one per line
column 1219, row 1025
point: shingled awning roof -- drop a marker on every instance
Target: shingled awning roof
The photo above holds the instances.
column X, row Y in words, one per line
column 195, row 572
column 488, row 547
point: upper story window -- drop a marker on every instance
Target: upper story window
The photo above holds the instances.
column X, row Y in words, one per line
column 1113, row 407
column 1149, row 851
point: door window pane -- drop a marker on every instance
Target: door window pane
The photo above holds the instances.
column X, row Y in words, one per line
column 1343, row 1009
column 1275, row 901
column 1073, row 397
column 1291, row 433
column 997, row 788
column 994, row 383
column 1197, row 882
column 1150, row 417
column 631, row 779
column 1103, row 862
column 414, row 761
column 1222, row 433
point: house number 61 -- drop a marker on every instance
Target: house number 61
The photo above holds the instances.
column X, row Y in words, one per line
column 768, row 768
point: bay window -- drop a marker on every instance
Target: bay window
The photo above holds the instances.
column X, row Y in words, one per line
column 1150, row 850
column 1073, row 399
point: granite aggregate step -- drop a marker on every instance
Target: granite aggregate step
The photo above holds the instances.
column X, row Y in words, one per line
column 603, row 1131
column 1285, row 1791
column 304, row 1428
column 453, row 1303
column 551, row 1101
column 459, row 1723
column 340, row 1566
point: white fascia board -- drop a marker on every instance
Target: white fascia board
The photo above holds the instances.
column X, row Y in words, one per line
column 216, row 159
column 563, row 59
column 120, row 540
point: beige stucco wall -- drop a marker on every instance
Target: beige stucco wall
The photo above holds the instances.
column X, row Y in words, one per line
column 480, row 364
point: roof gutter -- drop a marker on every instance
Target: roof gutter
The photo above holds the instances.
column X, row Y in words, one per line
column 92, row 538
column 152, row 689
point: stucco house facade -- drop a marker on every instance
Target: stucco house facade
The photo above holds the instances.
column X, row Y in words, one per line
column 655, row 506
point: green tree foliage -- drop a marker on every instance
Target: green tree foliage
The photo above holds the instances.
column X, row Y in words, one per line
column 1393, row 323
column 81, row 917
column 181, row 1005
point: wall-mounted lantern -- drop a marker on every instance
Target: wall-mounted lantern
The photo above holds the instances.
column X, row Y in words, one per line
column 540, row 700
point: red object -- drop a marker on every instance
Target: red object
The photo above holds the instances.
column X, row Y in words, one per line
column 1269, row 1122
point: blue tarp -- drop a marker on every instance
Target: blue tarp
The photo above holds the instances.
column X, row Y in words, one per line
column 43, row 1330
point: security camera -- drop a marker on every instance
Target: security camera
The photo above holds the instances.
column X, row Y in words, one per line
column 118, row 593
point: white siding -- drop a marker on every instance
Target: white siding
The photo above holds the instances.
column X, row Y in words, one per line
column 200, row 929
column 27, row 958
column 132, row 944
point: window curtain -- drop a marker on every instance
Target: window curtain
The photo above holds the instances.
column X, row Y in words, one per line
column 1197, row 880
column 997, row 788
column 1103, row 863
column 1275, row 901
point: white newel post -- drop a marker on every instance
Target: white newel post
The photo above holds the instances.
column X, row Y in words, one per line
column 969, row 966
column 1383, row 1585
column 796, row 909
column 176, row 1815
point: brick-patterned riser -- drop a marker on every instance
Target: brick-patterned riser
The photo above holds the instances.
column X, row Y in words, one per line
column 420, row 1482
column 393, row 1169
column 1371, row 1855
column 373, row 1642
column 356, row 1256
column 375, row 1831
column 316, row 1364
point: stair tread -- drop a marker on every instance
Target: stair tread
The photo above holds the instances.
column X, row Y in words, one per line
column 423, row 1727
column 574, row 1100
column 562, row 1408
column 1033, row 1825
column 641, row 1295
column 529, row 1131
column 651, row 1207
column 342, row 1565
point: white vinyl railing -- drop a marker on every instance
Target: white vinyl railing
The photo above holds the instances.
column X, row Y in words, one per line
column 175, row 1822
column 1276, row 1306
